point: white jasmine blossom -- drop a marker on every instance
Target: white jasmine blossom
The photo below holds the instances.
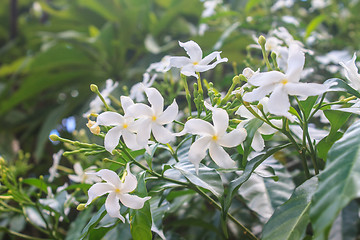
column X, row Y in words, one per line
column 82, row 176
column 162, row 66
column 152, row 119
column 213, row 137
column 351, row 72
column 282, row 85
column 118, row 191
column 137, row 90
column 258, row 143
column 124, row 126
column 195, row 63
column 53, row 169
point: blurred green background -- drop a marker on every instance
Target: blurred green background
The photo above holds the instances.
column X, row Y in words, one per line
column 52, row 50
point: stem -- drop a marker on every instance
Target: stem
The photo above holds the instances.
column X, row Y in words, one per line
column 20, row 234
column 246, row 231
column 191, row 186
column 187, row 92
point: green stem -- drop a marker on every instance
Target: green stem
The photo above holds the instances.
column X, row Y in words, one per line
column 20, row 235
column 187, row 92
column 191, row 186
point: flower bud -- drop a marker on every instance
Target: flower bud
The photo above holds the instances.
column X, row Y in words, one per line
column 236, row 79
column 54, row 137
column 81, row 207
column 94, row 88
column 262, row 41
column 94, row 129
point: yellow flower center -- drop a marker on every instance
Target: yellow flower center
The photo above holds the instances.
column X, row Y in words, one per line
column 125, row 125
column 117, row 190
column 195, row 63
column 214, row 138
column 153, row 118
column 284, row 81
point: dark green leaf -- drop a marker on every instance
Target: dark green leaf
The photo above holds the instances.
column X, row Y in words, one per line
column 251, row 127
column 290, row 220
column 41, row 184
column 140, row 219
column 339, row 85
column 339, row 183
column 93, row 222
column 308, row 104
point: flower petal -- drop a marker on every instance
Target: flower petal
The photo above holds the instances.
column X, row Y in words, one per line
column 169, row 114
column 132, row 201
column 139, row 110
column 112, row 138
column 75, row 178
column 97, row 190
column 189, row 70
column 266, row 78
column 110, row 177
column 257, row 143
column 206, row 60
column 126, row 102
column 305, row 89
column 258, row 93
column 243, row 112
column 179, row 62
column 220, row 157
column 352, row 72
column 156, row 100
column 161, row 134
column 233, row 138
column 78, row 169
column 143, row 135
column 221, row 120
column 193, row 50
column 109, row 119
column 279, row 101
column 130, row 181
column 295, row 62
column 112, row 206
column 199, row 127
column 266, row 129
column 198, row 149
column 130, row 140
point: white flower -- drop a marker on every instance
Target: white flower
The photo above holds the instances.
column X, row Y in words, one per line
column 152, row 119
column 281, row 85
column 213, row 137
column 281, row 4
column 351, row 72
column 53, row 169
column 117, row 190
column 96, row 104
column 189, row 66
column 162, row 66
column 84, row 176
column 137, row 90
column 265, row 129
column 124, row 126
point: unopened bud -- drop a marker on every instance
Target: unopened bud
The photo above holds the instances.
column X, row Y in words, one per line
column 54, row 137
column 262, row 41
column 94, row 88
column 81, row 207
column 236, row 79
column 242, row 78
column 94, row 129
column 260, row 106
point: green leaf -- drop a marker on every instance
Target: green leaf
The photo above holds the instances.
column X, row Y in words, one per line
column 339, row 85
column 339, row 183
column 93, row 222
column 290, row 220
column 140, row 223
column 263, row 195
column 314, row 24
column 249, row 169
column 79, row 223
column 251, row 127
column 337, row 120
column 308, row 104
column 346, row 224
column 207, row 178
column 41, row 184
